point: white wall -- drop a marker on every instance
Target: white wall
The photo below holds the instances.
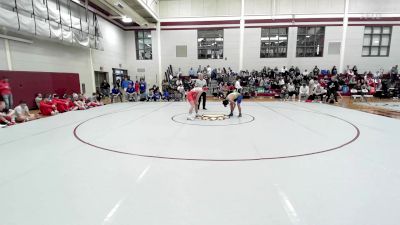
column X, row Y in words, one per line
column 3, row 62
column 150, row 66
column 171, row 38
column 50, row 56
column 372, row 6
column 114, row 49
column 47, row 56
column 199, row 8
column 252, row 58
column 353, row 51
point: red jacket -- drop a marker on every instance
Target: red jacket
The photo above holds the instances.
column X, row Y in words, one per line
column 61, row 104
column 5, row 88
column 46, row 108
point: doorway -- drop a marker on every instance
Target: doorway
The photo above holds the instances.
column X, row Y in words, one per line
column 99, row 77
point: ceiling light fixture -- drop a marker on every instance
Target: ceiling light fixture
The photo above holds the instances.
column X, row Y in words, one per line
column 127, row 19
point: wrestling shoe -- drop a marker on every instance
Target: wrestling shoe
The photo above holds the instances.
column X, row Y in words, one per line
column 190, row 118
column 230, row 114
column 240, row 115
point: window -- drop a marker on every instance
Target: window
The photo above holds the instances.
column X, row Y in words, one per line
column 274, row 42
column 376, row 41
column 143, row 45
column 310, row 41
column 210, row 44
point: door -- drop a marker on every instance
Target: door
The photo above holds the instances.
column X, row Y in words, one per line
column 99, row 77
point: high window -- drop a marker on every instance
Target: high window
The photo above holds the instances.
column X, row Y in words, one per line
column 274, row 42
column 210, row 44
column 310, row 41
column 376, row 41
column 143, row 45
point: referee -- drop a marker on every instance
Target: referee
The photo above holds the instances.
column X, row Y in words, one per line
column 201, row 83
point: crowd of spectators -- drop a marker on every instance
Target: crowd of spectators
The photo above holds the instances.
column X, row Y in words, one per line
column 284, row 83
column 293, row 83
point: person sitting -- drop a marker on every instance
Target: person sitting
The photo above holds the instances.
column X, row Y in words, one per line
column 131, row 93
column 105, row 88
column 292, row 90
column 157, row 94
column 284, row 94
column 22, row 113
column 115, row 92
column 93, row 101
column 7, row 116
column 304, row 91
column 38, row 99
column 150, row 95
column 47, row 108
column 63, row 105
column 319, row 92
column 166, row 95
column 78, row 103
column 333, row 88
column 181, row 91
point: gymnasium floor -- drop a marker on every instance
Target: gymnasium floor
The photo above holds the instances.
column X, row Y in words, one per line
column 282, row 163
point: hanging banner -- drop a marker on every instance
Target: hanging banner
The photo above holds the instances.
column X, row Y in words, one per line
column 8, row 19
column 40, row 9
column 67, row 34
column 55, row 31
column 27, row 24
column 25, row 5
column 42, row 27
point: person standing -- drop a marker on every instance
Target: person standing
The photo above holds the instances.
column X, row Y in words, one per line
column 105, row 88
column 201, row 83
column 192, row 72
column 5, row 91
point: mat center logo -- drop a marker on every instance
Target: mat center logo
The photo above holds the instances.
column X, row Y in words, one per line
column 212, row 117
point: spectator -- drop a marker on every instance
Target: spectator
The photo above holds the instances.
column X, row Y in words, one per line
column 22, row 113
column 131, row 93
column 166, row 95
column 320, row 92
column 38, row 99
column 209, row 70
column 316, row 71
column 355, row 70
column 47, row 107
column 292, row 90
column 284, row 94
column 304, row 91
column 333, row 88
column 192, row 72
column 105, row 88
column 63, row 105
column 5, row 91
column 181, row 91
column 238, row 86
column 115, row 92
column 142, row 88
column 7, row 116
column 334, row 70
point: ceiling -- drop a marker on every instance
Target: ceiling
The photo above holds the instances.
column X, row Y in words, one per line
column 113, row 14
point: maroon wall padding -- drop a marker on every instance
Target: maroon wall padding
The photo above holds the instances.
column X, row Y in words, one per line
column 25, row 85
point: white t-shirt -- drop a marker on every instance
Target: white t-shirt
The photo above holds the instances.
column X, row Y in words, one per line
column 200, row 83
column 21, row 111
column 237, row 85
column 304, row 90
column 209, row 70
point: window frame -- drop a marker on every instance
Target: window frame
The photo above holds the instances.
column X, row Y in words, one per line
column 370, row 46
column 264, row 50
column 219, row 45
column 143, row 39
column 315, row 42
